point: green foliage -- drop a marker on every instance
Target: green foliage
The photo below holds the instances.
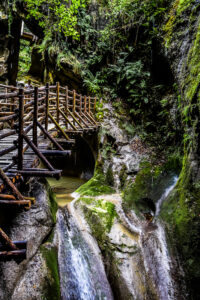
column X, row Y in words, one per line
column 58, row 16
column 24, row 59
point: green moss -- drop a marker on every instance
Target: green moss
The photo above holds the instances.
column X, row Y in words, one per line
column 100, row 215
column 122, row 176
column 109, row 176
column 52, row 288
column 143, row 184
column 181, row 212
column 175, row 16
column 183, row 4
column 140, row 194
column 53, row 204
column 97, row 185
column 192, row 81
column 169, row 26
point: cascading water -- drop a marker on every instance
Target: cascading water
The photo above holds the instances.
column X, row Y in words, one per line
column 165, row 194
column 157, row 261
column 82, row 275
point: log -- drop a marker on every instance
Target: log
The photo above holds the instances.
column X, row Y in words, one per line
column 21, row 128
column 9, row 183
column 38, row 173
column 49, row 136
column 19, row 244
column 54, row 153
column 16, row 202
column 8, row 118
column 6, row 134
column 58, row 126
column 7, row 240
column 5, row 254
column 37, row 152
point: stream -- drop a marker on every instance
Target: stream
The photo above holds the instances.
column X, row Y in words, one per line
column 64, row 188
column 81, row 267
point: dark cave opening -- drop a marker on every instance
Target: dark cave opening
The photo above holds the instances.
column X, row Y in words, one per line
column 80, row 162
column 160, row 67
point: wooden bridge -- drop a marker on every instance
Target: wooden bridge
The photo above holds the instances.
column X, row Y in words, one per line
column 32, row 121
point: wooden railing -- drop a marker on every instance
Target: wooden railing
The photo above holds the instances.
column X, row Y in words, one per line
column 25, row 116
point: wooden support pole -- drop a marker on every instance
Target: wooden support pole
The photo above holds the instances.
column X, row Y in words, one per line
column 17, row 253
column 7, row 240
column 74, row 100
column 21, row 127
column 85, row 104
column 59, row 128
column 57, row 102
column 75, row 119
column 47, row 107
column 50, row 137
column 80, row 108
column 27, row 203
column 38, row 153
column 35, row 117
column 66, row 103
column 81, row 119
column 11, row 186
column 89, row 104
column 67, row 120
column 91, row 119
column 74, row 104
column 95, row 103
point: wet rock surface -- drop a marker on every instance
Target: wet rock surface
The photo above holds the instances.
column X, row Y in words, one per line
column 124, row 151
column 137, row 260
column 24, row 280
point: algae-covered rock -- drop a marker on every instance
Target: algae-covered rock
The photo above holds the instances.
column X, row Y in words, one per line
column 135, row 253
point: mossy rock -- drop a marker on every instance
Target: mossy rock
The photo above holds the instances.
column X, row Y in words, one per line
column 181, row 213
column 50, row 255
column 141, row 195
column 96, row 186
column 100, row 215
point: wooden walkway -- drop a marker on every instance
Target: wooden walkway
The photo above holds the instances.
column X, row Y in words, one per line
column 30, row 122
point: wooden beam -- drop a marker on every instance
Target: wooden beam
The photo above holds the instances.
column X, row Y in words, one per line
column 21, row 128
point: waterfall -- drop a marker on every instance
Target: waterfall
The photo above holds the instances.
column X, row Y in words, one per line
column 157, row 261
column 165, row 195
column 82, row 276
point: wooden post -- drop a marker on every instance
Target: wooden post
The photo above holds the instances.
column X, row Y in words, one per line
column 95, row 103
column 35, row 116
column 89, row 104
column 80, row 109
column 66, row 103
column 85, row 104
column 11, row 186
column 57, row 101
column 74, row 103
column 7, row 241
column 47, row 107
column 21, row 127
column 74, row 100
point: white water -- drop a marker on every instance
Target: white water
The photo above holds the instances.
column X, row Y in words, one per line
column 157, row 261
column 81, row 276
column 165, row 195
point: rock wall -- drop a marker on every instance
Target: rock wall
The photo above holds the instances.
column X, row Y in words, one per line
column 37, row 276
